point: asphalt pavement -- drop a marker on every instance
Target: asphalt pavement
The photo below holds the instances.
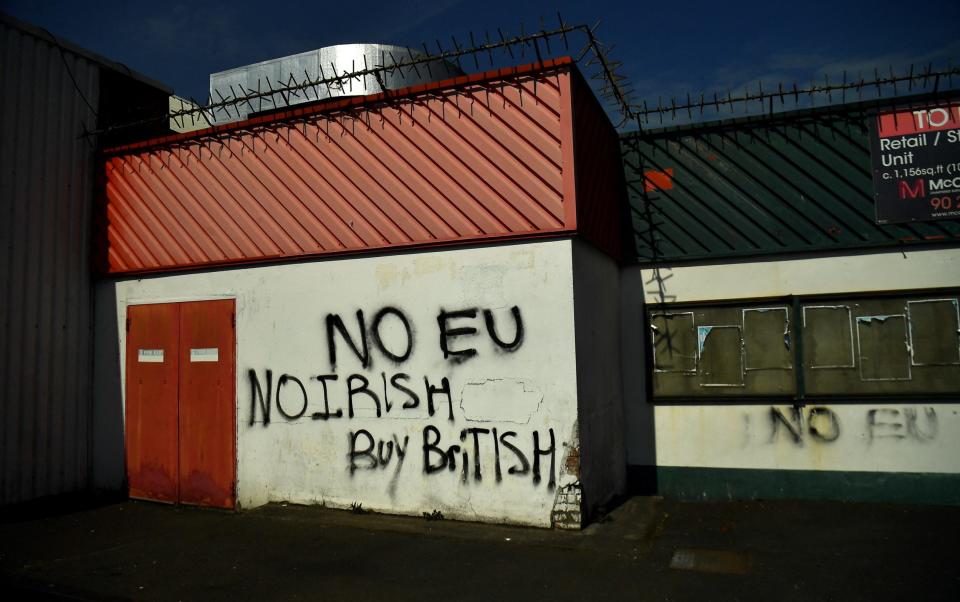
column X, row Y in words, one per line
column 646, row 549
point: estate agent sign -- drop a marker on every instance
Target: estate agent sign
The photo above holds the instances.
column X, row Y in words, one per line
column 916, row 164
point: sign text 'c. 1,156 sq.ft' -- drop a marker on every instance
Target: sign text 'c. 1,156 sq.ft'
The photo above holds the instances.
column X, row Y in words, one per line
column 916, row 164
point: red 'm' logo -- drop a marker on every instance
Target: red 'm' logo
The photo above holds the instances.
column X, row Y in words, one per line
column 918, row 189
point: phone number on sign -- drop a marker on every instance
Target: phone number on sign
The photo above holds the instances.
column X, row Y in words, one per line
column 945, row 203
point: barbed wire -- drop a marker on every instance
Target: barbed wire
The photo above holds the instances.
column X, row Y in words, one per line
column 595, row 57
column 538, row 45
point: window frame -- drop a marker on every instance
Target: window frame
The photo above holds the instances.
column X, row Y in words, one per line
column 796, row 303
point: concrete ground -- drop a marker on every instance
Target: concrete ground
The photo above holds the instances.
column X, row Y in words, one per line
column 647, row 549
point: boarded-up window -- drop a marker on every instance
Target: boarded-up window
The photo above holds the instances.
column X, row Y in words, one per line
column 902, row 345
column 886, row 345
column 723, row 351
column 936, row 323
column 882, row 341
column 674, row 342
column 828, row 336
column 766, row 339
column 721, row 356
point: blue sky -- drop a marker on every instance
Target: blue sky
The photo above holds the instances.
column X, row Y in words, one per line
column 667, row 48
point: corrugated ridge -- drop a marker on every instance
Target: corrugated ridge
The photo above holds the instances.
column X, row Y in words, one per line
column 799, row 183
column 477, row 161
column 45, row 320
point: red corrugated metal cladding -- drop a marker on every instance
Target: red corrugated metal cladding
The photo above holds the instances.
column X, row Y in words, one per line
column 481, row 157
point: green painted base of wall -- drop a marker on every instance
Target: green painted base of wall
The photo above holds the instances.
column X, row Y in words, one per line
column 716, row 484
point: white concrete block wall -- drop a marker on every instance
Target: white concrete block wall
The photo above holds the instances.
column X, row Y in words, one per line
column 522, row 391
column 887, row 437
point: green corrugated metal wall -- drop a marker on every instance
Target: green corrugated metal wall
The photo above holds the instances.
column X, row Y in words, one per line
column 789, row 183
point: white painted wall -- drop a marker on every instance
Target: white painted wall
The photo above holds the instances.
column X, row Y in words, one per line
column 897, row 437
column 281, row 313
column 872, row 438
column 813, row 276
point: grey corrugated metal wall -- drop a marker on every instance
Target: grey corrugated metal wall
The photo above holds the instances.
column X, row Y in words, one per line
column 46, row 197
column 767, row 185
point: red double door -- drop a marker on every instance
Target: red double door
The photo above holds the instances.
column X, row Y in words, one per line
column 180, row 403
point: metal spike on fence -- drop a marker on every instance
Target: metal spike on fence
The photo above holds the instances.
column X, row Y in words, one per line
column 503, row 42
column 603, row 70
column 296, row 87
column 476, row 61
column 457, row 52
column 416, row 69
column 316, row 92
column 270, row 88
column 226, row 104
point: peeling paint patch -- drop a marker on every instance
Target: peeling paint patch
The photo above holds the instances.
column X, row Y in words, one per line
column 500, row 400
column 702, row 333
column 567, row 504
column 572, row 463
column 868, row 319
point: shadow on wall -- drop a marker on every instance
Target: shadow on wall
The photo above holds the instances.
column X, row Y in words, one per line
column 640, row 428
column 109, row 469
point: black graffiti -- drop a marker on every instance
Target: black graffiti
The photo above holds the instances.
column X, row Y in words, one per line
column 360, row 393
column 891, row 423
column 325, row 414
column 524, row 467
column 822, row 424
column 256, row 393
column 816, row 426
column 413, row 400
column 357, row 384
column 303, row 408
column 537, row 452
column 361, row 349
column 397, row 358
column 475, row 433
column 438, row 457
column 452, row 325
column 913, row 428
column 432, row 447
column 375, row 459
column 364, row 388
column 793, row 424
column 517, row 329
column 443, row 389
column 447, row 333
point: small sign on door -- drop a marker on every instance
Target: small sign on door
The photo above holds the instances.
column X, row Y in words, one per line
column 150, row 356
column 205, row 354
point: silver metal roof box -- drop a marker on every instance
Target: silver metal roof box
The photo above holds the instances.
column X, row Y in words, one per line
column 316, row 64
